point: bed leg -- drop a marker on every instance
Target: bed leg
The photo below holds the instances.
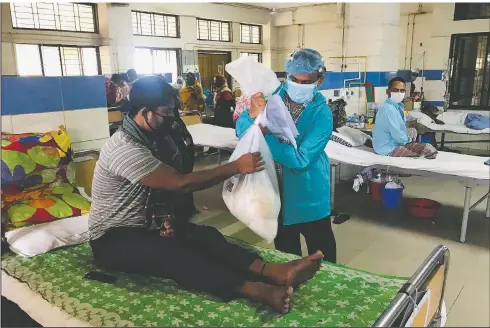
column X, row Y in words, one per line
column 219, row 156
column 333, row 179
column 466, row 212
column 487, row 212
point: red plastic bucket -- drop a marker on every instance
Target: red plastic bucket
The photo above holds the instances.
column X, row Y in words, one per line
column 422, row 207
column 376, row 190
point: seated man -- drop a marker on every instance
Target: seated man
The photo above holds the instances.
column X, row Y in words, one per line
column 132, row 223
column 390, row 134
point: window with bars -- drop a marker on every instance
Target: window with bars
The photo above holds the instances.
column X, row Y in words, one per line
column 466, row 11
column 157, row 61
column 250, row 33
column 154, row 24
column 76, row 17
column 212, row 30
column 469, row 85
column 256, row 56
column 48, row 60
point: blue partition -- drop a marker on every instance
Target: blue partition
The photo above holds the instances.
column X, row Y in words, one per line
column 27, row 95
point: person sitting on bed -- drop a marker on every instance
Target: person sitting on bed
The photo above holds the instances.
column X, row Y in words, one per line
column 303, row 172
column 390, row 134
column 132, row 223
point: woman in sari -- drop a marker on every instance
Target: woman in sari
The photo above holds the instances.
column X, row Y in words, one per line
column 192, row 95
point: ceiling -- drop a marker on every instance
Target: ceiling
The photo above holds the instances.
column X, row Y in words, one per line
column 280, row 5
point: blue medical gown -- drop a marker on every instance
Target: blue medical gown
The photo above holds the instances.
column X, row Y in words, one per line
column 306, row 170
column 390, row 129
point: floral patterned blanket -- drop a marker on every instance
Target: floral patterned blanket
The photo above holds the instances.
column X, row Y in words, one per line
column 338, row 296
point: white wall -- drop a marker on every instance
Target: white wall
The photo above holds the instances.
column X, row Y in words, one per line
column 317, row 26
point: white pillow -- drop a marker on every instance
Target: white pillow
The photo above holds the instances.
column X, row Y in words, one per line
column 41, row 238
column 355, row 137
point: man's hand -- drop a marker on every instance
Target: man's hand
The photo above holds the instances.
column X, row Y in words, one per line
column 257, row 104
column 249, row 163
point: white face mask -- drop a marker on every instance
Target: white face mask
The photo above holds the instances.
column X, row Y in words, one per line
column 397, row 96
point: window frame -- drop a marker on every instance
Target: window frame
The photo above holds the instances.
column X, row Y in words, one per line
column 179, row 56
column 230, row 29
column 250, row 26
column 460, row 18
column 252, row 53
column 94, row 13
column 452, row 77
column 59, row 46
column 177, row 24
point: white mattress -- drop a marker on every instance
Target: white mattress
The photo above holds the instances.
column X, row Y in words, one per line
column 40, row 310
column 466, row 166
column 446, row 163
column 213, row 136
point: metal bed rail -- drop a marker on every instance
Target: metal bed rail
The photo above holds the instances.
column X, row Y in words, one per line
column 403, row 301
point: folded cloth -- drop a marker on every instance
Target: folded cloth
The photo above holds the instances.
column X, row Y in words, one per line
column 477, row 121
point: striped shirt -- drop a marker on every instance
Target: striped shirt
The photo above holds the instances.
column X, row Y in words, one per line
column 118, row 197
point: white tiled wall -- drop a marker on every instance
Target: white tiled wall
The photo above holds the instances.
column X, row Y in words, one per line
column 39, row 122
column 7, row 124
column 88, row 128
column 87, row 124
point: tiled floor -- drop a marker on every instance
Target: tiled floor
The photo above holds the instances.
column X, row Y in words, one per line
column 393, row 243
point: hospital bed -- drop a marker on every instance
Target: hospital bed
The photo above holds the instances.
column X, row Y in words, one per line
column 453, row 123
column 51, row 288
column 468, row 170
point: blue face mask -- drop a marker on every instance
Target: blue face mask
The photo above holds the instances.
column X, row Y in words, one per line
column 300, row 93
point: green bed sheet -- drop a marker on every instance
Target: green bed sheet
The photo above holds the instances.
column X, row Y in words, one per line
column 338, row 296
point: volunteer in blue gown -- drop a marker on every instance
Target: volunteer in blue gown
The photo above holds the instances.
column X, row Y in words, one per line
column 303, row 172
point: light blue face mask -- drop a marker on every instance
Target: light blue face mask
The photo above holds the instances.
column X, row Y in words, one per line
column 300, row 93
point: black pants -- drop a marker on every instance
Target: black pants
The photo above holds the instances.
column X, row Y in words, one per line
column 197, row 257
column 318, row 236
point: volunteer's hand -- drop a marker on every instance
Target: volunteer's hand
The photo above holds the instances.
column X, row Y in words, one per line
column 257, row 104
column 249, row 163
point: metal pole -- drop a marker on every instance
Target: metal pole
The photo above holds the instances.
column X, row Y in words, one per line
column 487, row 213
column 466, row 212
column 333, row 177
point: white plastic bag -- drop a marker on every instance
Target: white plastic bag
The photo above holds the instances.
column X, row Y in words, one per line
column 279, row 121
column 255, row 77
column 254, row 198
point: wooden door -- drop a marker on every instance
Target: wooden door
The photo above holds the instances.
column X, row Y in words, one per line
column 211, row 64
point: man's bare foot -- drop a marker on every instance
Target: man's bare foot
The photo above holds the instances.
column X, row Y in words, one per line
column 295, row 272
column 278, row 297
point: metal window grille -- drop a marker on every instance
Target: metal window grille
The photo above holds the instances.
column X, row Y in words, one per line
column 153, row 24
column 250, row 34
column 66, row 16
column 211, row 30
column 256, row 56
column 57, row 60
column 470, row 71
column 467, row 11
column 158, row 61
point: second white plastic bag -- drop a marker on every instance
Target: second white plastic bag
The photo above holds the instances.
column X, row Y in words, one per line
column 254, row 198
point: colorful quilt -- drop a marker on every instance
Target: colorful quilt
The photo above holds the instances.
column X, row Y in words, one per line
column 38, row 179
column 337, row 297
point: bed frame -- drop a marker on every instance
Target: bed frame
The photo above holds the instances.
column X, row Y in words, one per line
column 469, row 183
column 430, row 276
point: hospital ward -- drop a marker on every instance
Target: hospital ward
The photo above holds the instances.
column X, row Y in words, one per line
column 245, row 164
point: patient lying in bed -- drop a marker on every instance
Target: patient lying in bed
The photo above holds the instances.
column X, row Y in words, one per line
column 390, row 134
